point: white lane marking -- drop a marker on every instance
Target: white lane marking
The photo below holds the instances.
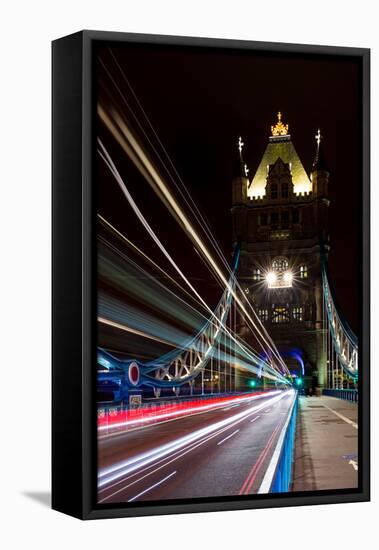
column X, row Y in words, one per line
column 354, row 464
column 152, row 487
column 173, row 457
column 120, row 470
column 227, row 437
column 347, row 420
column 255, row 418
column 231, row 407
column 269, row 475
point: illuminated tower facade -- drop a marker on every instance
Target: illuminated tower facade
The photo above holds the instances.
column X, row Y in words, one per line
column 280, row 222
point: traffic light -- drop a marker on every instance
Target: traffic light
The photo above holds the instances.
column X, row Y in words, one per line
column 298, row 381
column 252, row 383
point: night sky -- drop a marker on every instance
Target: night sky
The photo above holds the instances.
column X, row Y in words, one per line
column 199, row 101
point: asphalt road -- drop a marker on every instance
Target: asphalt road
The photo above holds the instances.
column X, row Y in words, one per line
column 221, row 452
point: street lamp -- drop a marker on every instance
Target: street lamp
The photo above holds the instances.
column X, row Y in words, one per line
column 271, row 278
column 288, row 277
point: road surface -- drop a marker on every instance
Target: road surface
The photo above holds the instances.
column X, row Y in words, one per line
column 220, row 452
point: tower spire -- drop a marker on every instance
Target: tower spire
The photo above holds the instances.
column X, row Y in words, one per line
column 319, row 161
column 240, row 169
column 240, row 175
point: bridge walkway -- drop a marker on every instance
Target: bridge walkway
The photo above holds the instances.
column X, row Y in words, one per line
column 326, row 448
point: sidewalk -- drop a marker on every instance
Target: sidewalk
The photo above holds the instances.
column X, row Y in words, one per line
column 326, row 448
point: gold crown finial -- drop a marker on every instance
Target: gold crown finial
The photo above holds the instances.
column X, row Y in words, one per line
column 279, row 129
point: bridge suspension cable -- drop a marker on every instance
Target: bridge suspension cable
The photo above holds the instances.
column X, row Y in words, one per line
column 128, row 142
column 191, row 360
column 342, row 343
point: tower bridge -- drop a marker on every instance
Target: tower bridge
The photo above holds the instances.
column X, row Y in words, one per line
column 276, row 333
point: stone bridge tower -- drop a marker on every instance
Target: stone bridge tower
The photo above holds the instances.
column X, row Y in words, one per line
column 280, row 221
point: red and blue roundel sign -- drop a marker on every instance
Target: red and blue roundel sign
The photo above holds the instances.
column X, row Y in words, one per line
column 133, row 373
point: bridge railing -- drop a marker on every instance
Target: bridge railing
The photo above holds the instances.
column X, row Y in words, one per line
column 347, row 394
column 121, row 417
column 278, row 476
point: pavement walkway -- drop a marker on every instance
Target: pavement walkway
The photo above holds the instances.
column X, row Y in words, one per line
column 326, row 449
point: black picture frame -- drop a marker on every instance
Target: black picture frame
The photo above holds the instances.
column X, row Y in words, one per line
column 74, row 291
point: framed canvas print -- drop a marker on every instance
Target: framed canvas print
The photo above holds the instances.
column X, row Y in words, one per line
column 210, row 275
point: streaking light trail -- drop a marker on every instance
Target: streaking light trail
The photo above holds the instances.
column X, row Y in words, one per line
column 136, row 154
column 106, row 157
column 121, row 469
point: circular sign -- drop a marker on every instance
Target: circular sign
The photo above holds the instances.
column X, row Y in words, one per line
column 133, row 373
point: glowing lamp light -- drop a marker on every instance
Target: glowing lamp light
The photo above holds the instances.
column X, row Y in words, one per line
column 252, row 383
column 271, row 278
column 288, row 277
column 298, row 381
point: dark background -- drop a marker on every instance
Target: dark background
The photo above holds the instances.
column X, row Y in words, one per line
column 199, row 101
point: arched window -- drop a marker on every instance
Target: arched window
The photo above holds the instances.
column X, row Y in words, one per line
column 274, row 191
column 280, row 264
column 285, row 190
column 274, row 220
column 280, row 274
column 285, row 219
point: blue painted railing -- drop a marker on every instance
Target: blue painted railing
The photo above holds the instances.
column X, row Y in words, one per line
column 347, row 394
column 278, row 476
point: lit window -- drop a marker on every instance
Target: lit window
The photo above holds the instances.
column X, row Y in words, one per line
column 257, row 275
column 303, row 271
column 297, row 314
column 280, row 315
column 263, row 315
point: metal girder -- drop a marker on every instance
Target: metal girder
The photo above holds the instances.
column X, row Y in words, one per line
column 345, row 342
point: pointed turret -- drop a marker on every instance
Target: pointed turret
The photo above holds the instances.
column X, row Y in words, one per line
column 319, row 163
column 240, row 175
column 320, row 172
column 238, row 164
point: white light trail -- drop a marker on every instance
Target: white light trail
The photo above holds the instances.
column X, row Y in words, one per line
column 107, row 159
column 181, row 412
column 134, row 331
column 116, row 471
column 139, row 158
column 183, row 191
